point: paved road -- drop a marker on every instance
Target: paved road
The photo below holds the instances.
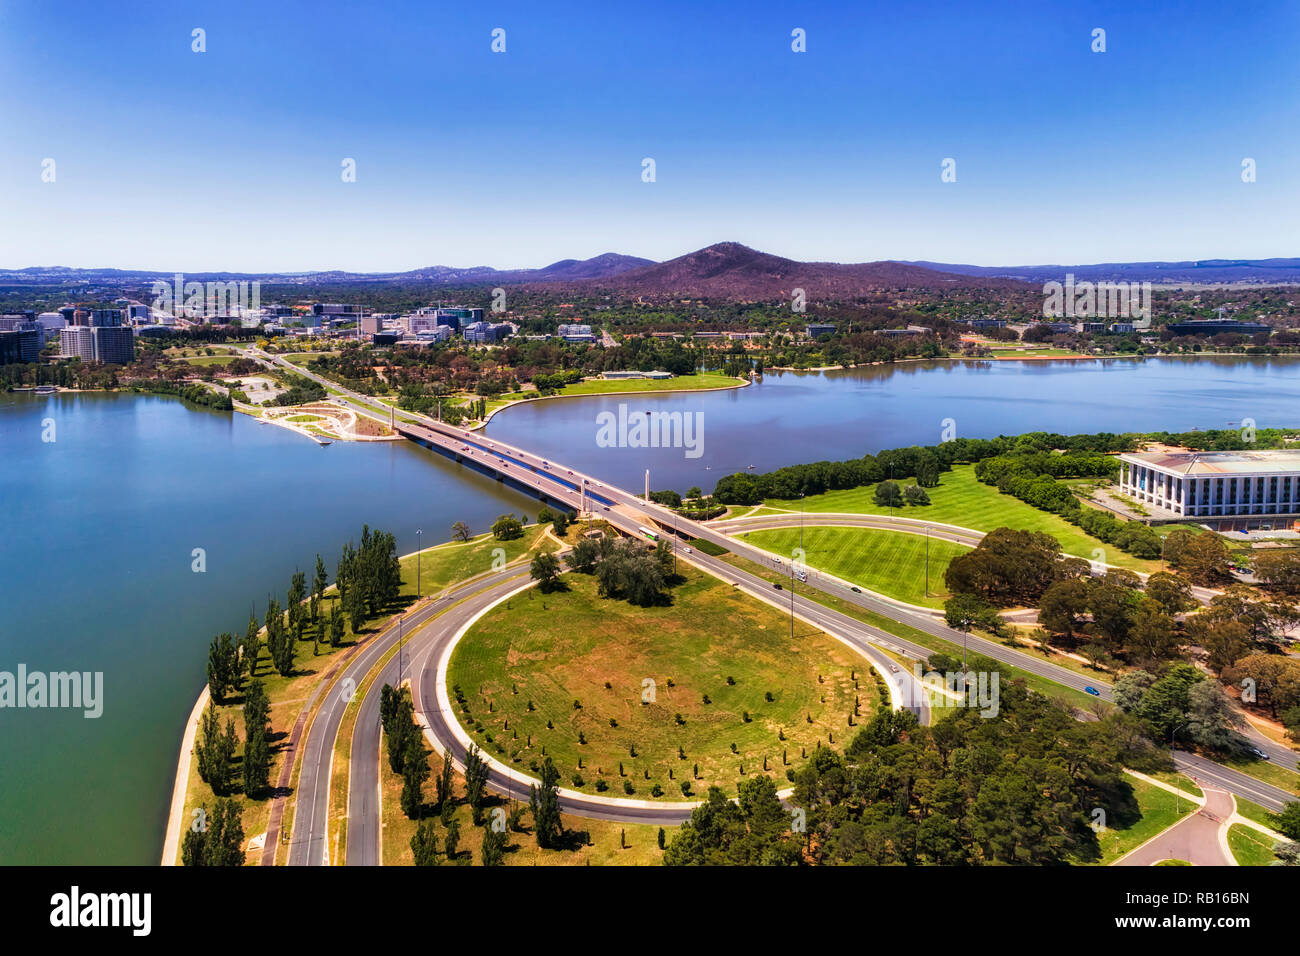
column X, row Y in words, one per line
column 628, row 513
column 1279, row 754
column 1195, row 839
column 309, row 841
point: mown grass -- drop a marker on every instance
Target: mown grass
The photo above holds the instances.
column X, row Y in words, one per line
column 681, row 383
column 1249, row 846
column 892, row 563
column 961, row 499
column 579, row 661
column 1160, row 810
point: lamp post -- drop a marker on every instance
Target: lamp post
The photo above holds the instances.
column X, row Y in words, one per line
column 927, row 561
column 418, row 532
column 1177, row 805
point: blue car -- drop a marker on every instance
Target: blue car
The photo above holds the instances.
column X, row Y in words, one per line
column 1092, row 690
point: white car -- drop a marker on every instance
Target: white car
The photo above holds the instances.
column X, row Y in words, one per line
column 687, row 551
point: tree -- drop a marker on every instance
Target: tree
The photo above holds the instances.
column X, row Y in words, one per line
column 476, row 777
column 319, row 582
column 1275, row 679
column 1212, row 722
column 887, row 495
column 1007, row 567
column 1287, row 822
column 583, row 557
column 753, row 831
column 257, row 750
column 545, row 569
column 492, row 851
column 415, row 770
column 399, row 731
column 444, row 785
column 424, row 844
column 452, row 839
column 1152, row 637
column 216, row 750
column 460, row 531
column 1062, row 605
column 219, row 841
column 1203, row 556
column 1279, row 570
column 916, row 495
column 336, row 626
column 1171, row 592
column 507, row 528
column 251, row 648
column 544, row 801
column 223, row 666
column 560, row 523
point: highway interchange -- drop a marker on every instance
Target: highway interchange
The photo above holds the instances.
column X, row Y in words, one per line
column 432, row 627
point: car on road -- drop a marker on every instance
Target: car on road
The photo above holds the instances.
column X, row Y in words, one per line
column 1092, row 690
column 855, row 589
column 778, row 587
column 687, row 551
column 893, row 668
column 1259, row 753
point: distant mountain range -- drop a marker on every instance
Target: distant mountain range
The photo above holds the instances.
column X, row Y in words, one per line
column 729, row 270
column 726, row 270
column 1190, row 272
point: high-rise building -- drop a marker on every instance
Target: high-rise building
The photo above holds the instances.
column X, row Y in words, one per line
column 21, row 345
column 114, row 344
column 104, row 318
column 77, row 341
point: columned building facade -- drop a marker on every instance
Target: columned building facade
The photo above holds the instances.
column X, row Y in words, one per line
column 1214, row 484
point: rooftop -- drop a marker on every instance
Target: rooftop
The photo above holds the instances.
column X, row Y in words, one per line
column 1205, row 463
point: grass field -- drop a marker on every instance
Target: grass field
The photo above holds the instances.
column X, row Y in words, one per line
column 581, row 663
column 962, row 500
column 1159, row 812
column 1040, row 684
column 606, row 843
column 680, row 383
column 892, row 563
column 1249, row 846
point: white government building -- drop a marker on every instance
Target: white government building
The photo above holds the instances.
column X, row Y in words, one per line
column 1214, row 484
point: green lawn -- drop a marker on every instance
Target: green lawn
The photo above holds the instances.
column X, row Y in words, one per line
column 1249, row 846
column 962, row 500
column 1160, row 811
column 210, row 359
column 458, row 561
column 550, row 650
column 679, row 383
column 892, row 563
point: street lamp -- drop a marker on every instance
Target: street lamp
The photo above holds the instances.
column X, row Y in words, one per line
column 1177, row 806
column 418, row 532
column 927, row 561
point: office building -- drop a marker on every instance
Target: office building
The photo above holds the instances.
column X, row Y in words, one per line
column 77, row 341
column 111, row 344
column 22, row 344
column 1217, row 327
column 1213, row 484
column 485, row 332
column 816, row 330
column 575, row 333
column 50, row 323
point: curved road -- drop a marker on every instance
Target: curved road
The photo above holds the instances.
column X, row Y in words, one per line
column 628, row 513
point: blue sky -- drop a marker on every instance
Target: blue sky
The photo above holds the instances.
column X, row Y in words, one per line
column 230, row 159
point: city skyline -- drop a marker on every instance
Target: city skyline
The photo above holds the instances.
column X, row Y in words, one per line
column 231, row 159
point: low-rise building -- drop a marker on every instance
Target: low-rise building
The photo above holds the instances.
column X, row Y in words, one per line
column 1214, row 484
column 818, row 329
column 574, row 332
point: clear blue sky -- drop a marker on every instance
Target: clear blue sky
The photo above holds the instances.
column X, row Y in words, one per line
column 230, row 159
